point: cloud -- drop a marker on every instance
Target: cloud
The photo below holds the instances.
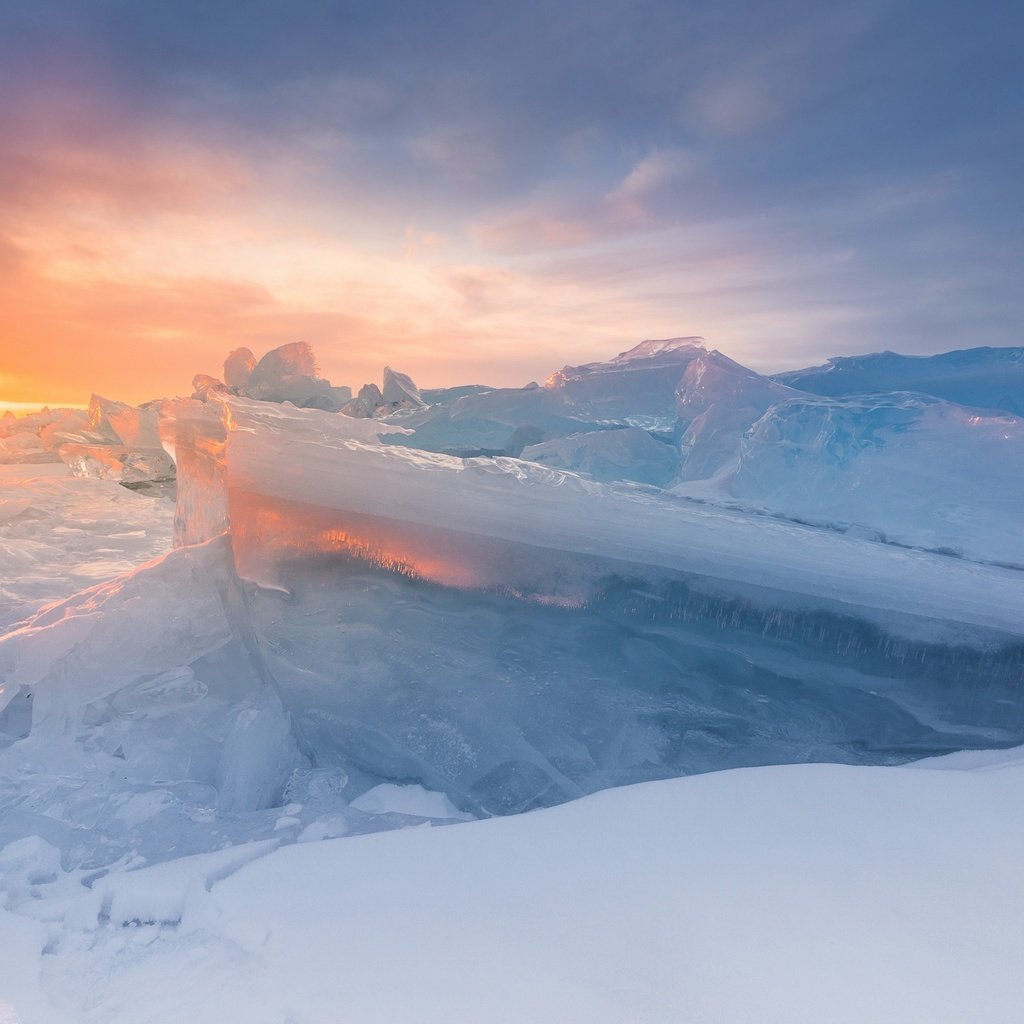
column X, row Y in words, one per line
column 644, row 199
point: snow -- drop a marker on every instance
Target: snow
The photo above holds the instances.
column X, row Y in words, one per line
column 797, row 894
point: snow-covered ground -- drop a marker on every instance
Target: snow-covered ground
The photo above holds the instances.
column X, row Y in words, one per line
column 795, row 895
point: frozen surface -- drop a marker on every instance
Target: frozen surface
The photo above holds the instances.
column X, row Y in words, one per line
column 502, row 634
column 987, row 378
column 59, row 534
column 801, row 894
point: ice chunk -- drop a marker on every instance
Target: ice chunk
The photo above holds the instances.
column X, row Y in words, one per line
column 194, row 435
column 912, row 469
column 987, row 378
column 73, row 426
column 400, row 390
column 117, row 462
column 499, row 421
column 366, row 403
column 238, row 368
column 204, row 386
column 628, row 453
column 289, row 374
column 129, row 425
column 283, row 364
column 717, row 401
column 636, row 384
column 23, row 447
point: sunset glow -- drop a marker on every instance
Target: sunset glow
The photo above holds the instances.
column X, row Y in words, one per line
column 460, row 193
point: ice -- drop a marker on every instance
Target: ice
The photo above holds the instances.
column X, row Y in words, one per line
column 238, row 368
column 117, row 462
column 501, row 421
column 59, row 534
column 628, row 453
column 636, row 388
column 914, row 470
column 505, row 634
column 636, row 385
column 399, row 390
column 289, row 373
column 987, row 378
column 413, row 801
column 23, row 447
column 366, row 403
column 128, row 425
column 717, row 401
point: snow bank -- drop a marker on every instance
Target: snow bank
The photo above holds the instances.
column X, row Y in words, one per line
column 800, row 894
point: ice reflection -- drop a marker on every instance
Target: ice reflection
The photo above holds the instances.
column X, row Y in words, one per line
column 268, row 533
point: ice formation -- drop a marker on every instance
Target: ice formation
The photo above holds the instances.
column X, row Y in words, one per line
column 361, row 628
column 984, row 378
column 288, row 373
column 345, row 614
column 627, row 453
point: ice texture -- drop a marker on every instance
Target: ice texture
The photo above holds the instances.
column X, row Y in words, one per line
column 128, row 425
column 400, row 390
column 717, row 401
column 986, row 378
column 627, row 453
column 289, row 373
column 59, row 534
column 355, row 630
column 344, row 614
column 637, row 384
column 636, row 388
column 117, row 462
column 915, row 470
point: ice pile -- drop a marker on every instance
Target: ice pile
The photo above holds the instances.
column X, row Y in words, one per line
column 350, row 613
column 911, row 468
column 110, row 441
column 288, row 373
column 634, row 389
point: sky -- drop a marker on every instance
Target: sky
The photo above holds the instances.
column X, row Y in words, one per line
column 484, row 192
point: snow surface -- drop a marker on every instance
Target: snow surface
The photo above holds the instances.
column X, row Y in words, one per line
column 795, row 894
